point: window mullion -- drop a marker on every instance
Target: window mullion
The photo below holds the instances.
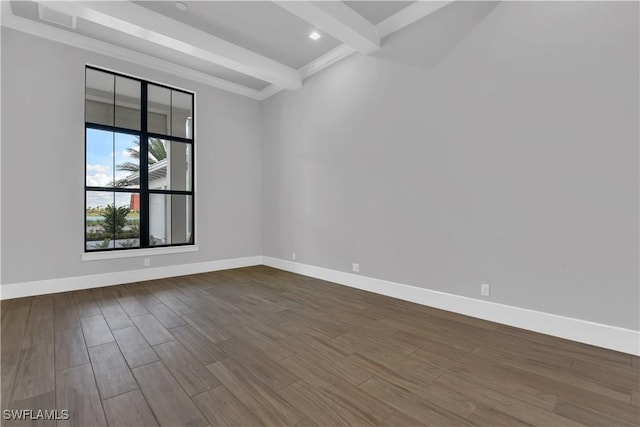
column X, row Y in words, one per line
column 144, row 170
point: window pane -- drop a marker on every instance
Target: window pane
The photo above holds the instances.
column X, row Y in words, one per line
column 96, row 214
column 113, row 220
column 113, row 159
column 126, row 224
column 99, row 157
column 170, row 219
column 158, row 164
column 127, row 160
column 99, row 97
column 181, row 114
column 159, row 109
column 179, row 159
column 170, row 168
column 127, row 103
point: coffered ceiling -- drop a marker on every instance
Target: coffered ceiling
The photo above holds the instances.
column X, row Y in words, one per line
column 253, row 48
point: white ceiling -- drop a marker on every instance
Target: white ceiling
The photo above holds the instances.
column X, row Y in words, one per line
column 254, row 48
column 377, row 11
column 260, row 26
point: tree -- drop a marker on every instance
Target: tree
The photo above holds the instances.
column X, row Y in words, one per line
column 157, row 152
column 115, row 219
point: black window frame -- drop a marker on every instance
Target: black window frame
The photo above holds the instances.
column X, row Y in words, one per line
column 144, row 191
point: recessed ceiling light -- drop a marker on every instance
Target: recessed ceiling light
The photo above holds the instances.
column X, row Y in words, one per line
column 181, row 6
column 315, row 35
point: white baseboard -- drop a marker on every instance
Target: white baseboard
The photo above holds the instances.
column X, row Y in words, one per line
column 611, row 337
column 41, row 287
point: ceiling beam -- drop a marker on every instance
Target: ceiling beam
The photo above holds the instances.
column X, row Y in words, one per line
column 326, row 60
column 409, row 15
column 338, row 20
column 71, row 38
column 137, row 21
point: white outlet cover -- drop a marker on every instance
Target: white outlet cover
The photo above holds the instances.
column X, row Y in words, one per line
column 485, row 290
column 356, row 268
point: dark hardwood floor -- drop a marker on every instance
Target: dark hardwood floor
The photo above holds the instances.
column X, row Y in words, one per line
column 259, row 346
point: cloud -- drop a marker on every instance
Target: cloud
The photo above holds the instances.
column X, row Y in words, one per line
column 98, row 168
column 99, row 180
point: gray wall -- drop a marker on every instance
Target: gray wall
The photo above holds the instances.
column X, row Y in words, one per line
column 487, row 143
column 43, row 165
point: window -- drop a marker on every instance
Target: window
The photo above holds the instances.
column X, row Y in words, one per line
column 139, row 163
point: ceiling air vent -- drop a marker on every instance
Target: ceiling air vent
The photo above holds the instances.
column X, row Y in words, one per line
column 47, row 14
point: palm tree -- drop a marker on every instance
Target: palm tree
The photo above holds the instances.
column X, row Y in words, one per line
column 115, row 219
column 157, row 152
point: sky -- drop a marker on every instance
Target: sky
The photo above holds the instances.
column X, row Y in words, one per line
column 101, row 162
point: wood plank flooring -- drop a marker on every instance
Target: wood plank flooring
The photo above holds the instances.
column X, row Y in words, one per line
column 259, row 346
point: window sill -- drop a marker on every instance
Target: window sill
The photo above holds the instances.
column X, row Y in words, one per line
column 133, row 253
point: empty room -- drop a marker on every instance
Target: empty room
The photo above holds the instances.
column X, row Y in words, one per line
column 320, row 213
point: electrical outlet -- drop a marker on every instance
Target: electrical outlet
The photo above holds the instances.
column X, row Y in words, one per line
column 293, row 256
column 356, row 268
column 147, row 262
column 485, row 290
